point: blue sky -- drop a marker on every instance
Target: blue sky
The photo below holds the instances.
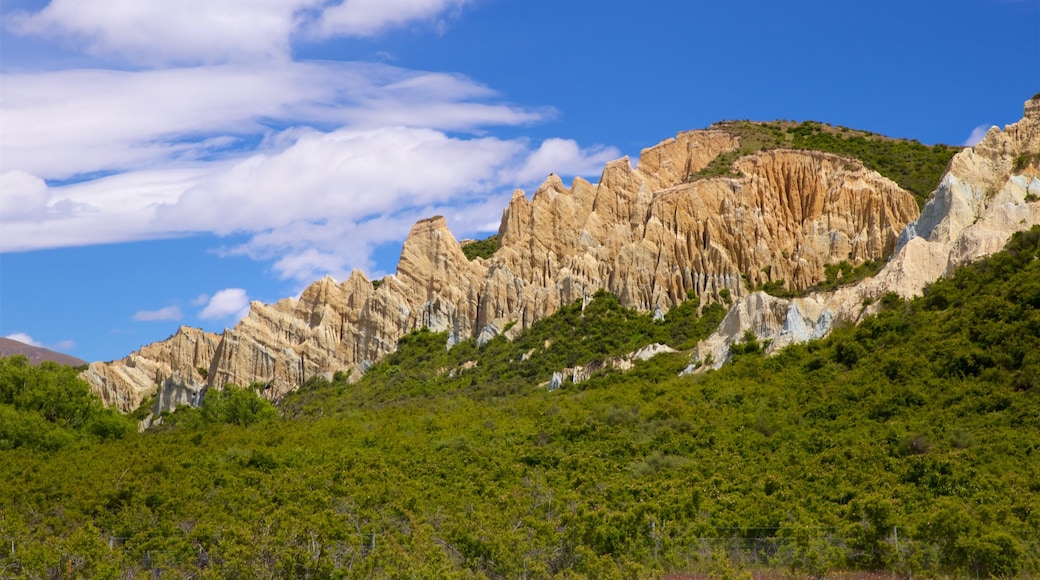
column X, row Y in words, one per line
column 166, row 162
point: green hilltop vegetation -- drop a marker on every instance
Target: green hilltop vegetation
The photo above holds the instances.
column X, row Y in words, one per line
column 909, row 444
column 481, row 248
column 916, row 167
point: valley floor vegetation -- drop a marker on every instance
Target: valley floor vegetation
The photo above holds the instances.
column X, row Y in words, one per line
column 908, row 444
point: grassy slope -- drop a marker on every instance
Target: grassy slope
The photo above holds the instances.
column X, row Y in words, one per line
column 923, row 423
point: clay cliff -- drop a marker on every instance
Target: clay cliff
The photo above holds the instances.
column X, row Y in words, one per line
column 653, row 235
column 990, row 191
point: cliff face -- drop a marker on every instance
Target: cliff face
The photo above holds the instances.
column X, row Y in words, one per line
column 990, row 191
column 126, row 382
column 648, row 234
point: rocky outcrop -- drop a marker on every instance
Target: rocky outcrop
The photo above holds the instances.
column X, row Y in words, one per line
column 990, row 191
column 125, row 383
column 649, row 234
column 582, row 373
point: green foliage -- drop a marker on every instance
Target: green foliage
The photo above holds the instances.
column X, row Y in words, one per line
column 724, row 296
column 841, row 274
column 914, row 166
column 482, row 248
column 231, row 405
column 236, row 406
column 49, row 407
column 844, row 273
column 906, row 444
column 749, row 345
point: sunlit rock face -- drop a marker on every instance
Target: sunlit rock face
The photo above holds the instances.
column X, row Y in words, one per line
column 127, row 382
column 652, row 234
column 990, row 191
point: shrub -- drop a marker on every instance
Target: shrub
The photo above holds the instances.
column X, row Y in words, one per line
column 482, row 248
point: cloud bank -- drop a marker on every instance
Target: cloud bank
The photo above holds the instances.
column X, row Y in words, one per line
column 160, row 32
column 212, row 127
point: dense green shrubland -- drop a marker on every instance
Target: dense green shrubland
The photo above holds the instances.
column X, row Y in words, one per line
column 908, row 443
column 47, row 407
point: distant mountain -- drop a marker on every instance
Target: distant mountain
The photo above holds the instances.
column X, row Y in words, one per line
column 36, row 354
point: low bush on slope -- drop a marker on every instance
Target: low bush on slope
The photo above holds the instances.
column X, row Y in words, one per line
column 908, row 443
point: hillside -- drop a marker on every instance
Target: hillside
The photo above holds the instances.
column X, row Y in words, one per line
column 842, row 381
column 768, row 218
column 37, row 355
column 853, row 452
column 792, row 201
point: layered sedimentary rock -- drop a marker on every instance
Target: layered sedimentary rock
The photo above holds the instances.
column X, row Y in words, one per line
column 126, row 382
column 990, row 191
column 654, row 235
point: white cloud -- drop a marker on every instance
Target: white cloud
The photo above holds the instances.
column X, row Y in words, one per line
column 159, row 32
column 343, row 174
column 370, row 17
column 318, row 163
column 24, row 339
column 566, row 157
column 62, row 345
column 167, row 313
column 976, row 135
column 59, row 124
column 25, row 196
column 320, row 204
column 227, row 303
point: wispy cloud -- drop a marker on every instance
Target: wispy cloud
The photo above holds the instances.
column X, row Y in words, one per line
column 976, row 135
column 221, row 131
column 562, row 156
column 60, row 124
column 370, row 17
column 162, row 314
column 228, row 303
column 215, row 31
column 350, row 191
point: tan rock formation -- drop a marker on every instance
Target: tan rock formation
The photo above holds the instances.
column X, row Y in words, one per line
column 126, row 382
column 984, row 197
column 648, row 234
column 582, row 373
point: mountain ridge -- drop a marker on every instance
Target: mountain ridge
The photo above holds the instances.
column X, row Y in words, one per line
column 37, row 354
column 648, row 234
